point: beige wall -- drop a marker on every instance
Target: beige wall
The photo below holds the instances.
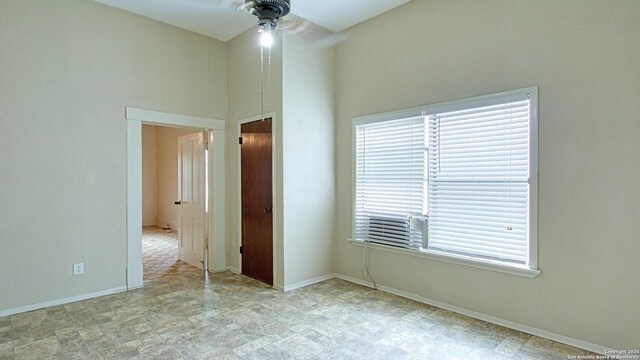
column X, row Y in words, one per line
column 168, row 174
column 68, row 70
column 149, row 176
column 309, row 161
column 244, row 102
column 160, row 174
column 585, row 56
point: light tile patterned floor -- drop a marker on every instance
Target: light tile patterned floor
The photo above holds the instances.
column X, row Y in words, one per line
column 160, row 254
column 185, row 315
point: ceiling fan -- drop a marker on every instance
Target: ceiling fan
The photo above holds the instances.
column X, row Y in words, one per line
column 274, row 14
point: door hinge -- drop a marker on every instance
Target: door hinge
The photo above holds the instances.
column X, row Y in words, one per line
column 240, row 249
column 205, row 140
column 240, row 140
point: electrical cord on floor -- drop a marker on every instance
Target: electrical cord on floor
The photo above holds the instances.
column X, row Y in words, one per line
column 366, row 262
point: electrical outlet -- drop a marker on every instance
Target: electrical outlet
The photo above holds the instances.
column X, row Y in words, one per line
column 78, row 269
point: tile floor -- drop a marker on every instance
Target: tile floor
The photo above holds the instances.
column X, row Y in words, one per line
column 185, row 315
column 160, row 254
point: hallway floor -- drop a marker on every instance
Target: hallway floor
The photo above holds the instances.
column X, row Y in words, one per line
column 160, row 254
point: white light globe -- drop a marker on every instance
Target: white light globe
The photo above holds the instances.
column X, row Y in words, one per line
column 266, row 39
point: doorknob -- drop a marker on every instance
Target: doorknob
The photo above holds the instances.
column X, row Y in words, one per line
column 177, row 202
column 268, row 210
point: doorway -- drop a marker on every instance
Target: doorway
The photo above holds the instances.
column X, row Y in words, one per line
column 256, row 181
column 216, row 217
column 174, row 198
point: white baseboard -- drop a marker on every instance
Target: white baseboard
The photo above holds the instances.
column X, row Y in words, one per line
column 308, row 282
column 67, row 300
column 219, row 271
column 474, row 314
column 235, row 270
column 488, row 318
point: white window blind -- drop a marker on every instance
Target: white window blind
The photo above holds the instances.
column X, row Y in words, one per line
column 390, row 181
column 479, row 181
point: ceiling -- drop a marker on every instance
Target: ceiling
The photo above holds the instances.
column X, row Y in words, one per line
column 209, row 18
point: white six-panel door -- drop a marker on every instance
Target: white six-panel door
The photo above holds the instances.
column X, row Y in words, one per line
column 191, row 197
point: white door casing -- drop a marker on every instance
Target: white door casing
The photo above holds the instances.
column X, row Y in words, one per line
column 217, row 186
column 191, row 198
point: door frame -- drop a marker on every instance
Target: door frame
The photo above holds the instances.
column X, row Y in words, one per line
column 276, row 203
column 217, row 186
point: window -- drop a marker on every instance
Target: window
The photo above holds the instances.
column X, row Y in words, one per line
column 451, row 179
column 390, row 177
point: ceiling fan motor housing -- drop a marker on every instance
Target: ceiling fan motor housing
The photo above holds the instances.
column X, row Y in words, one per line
column 269, row 12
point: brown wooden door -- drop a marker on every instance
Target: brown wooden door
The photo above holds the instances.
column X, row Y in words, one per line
column 257, row 201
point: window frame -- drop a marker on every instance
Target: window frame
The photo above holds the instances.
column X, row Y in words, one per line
column 531, row 268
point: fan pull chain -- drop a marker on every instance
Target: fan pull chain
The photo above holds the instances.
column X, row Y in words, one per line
column 510, row 225
column 262, row 82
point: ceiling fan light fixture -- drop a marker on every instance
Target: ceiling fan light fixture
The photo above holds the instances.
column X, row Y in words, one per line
column 269, row 11
column 266, row 38
column 267, row 25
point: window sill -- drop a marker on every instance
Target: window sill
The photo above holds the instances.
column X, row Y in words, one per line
column 455, row 259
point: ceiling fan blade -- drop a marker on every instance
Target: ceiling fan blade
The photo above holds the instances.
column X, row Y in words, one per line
column 298, row 29
column 236, row 5
column 309, row 33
